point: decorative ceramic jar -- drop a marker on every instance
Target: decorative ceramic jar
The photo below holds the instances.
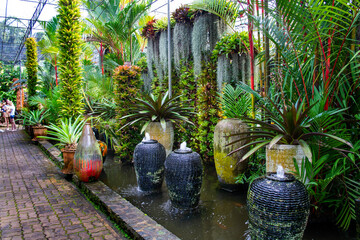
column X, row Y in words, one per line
column 68, row 157
column 88, row 158
column 183, row 177
column 282, row 154
column 227, row 168
column 39, row 131
column 278, row 207
column 149, row 158
column 164, row 136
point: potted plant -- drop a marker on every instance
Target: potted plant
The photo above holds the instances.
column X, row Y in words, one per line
column 67, row 133
column 288, row 132
column 158, row 113
column 234, row 104
column 35, row 119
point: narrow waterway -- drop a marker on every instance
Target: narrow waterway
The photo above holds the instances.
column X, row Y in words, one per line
column 220, row 215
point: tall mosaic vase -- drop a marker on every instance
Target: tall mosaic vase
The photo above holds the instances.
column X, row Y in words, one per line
column 149, row 158
column 183, row 177
column 278, row 208
column 88, row 162
column 227, row 167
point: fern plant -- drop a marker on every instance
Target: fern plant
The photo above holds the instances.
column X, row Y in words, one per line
column 69, row 64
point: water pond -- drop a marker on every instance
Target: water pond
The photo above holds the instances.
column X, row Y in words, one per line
column 220, row 215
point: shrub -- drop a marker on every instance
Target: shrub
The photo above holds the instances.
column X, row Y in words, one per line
column 127, row 85
column 31, row 66
column 69, row 64
column 208, row 112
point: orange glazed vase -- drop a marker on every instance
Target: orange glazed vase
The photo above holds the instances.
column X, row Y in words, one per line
column 88, row 162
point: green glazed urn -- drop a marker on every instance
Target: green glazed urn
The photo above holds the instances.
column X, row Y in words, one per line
column 226, row 167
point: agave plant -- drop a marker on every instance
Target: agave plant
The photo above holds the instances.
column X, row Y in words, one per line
column 290, row 125
column 34, row 118
column 157, row 109
column 67, row 132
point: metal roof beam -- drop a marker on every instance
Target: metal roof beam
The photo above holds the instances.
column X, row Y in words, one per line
column 32, row 22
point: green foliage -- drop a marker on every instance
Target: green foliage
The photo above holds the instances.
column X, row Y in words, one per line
column 50, row 102
column 231, row 43
column 208, row 112
column 187, row 86
column 69, row 65
column 67, row 132
column 234, row 102
column 290, row 123
column 332, row 182
column 256, row 168
column 97, row 85
column 31, row 65
column 34, row 118
column 7, row 74
column 157, row 109
column 162, row 24
column 115, row 24
column 127, row 85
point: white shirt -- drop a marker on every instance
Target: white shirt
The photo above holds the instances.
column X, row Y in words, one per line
column 12, row 108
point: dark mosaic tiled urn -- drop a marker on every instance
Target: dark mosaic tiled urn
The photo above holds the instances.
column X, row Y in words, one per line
column 149, row 158
column 278, row 207
column 183, row 177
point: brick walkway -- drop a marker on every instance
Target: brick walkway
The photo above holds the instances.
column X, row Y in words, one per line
column 37, row 203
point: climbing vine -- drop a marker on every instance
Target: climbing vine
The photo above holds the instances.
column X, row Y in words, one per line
column 208, row 111
column 69, row 65
column 127, row 84
column 31, row 66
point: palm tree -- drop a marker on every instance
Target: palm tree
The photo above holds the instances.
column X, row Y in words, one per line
column 49, row 44
column 114, row 23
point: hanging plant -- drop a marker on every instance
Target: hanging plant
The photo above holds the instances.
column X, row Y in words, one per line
column 207, row 30
column 162, row 24
column 69, row 65
column 231, row 55
column 183, row 14
column 149, row 31
column 127, row 84
column 182, row 35
column 145, row 76
column 232, row 43
column 31, row 67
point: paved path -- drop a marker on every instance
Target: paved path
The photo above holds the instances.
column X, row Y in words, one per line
column 37, row 203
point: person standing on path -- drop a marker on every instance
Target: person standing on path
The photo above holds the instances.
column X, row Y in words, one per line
column 11, row 110
column 5, row 113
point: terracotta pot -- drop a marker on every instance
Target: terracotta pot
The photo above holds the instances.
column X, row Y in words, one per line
column 39, row 131
column 282, row 154
column 226, row 167
column 68, row 157
column 163, row 136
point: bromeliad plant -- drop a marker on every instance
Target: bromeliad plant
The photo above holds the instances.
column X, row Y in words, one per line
column 293, row 124
column 34, row 118
column 157, row 109
column 67, row 132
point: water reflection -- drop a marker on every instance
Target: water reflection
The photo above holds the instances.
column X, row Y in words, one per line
column 220, row 215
